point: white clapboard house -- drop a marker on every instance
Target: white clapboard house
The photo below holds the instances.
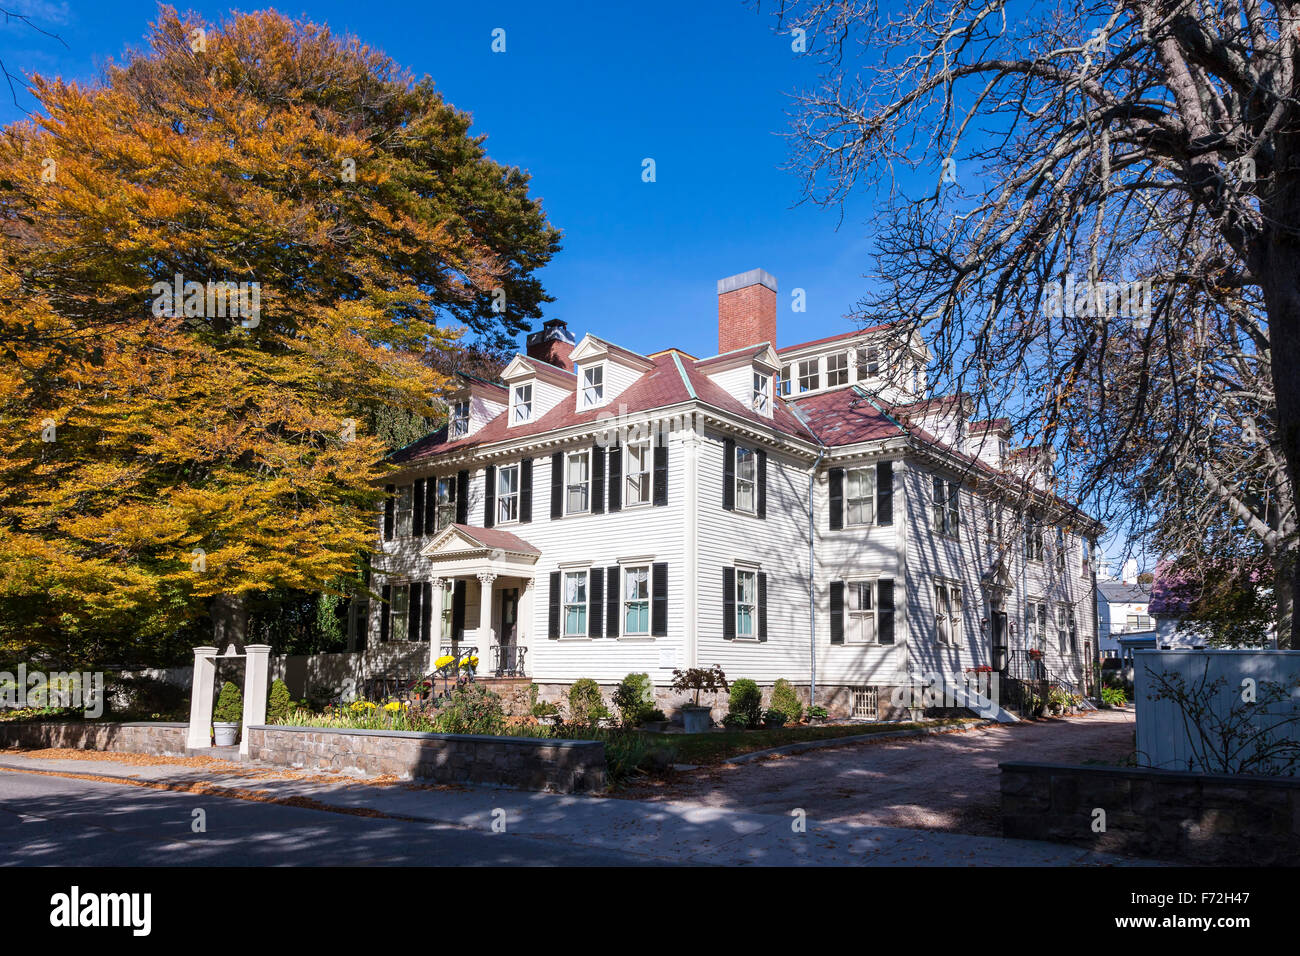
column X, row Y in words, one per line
column 803, row 512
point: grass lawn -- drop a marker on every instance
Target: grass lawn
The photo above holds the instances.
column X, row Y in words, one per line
column 714, row 747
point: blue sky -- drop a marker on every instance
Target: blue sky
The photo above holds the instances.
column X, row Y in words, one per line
column 584, row 93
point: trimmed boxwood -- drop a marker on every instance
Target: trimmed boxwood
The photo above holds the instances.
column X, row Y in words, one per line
column 746, row 702
column 786, row 700
column 230, row 705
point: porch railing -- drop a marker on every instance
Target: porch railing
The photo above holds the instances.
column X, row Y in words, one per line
column 508, row 660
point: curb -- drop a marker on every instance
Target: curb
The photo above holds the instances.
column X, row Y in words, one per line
column 855, row 739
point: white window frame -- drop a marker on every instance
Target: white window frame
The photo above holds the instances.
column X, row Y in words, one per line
column 859, row 619
column 750, row 484
column 813, row 376
column 945, row 507
column 566, row 604
column 1036, row 624
column 507, row 500
column 458, row 420
column 1034, row 543
column 521, row 403
column 445, row 508
column 868, row 362
column 571, row 486
column 1063, row 612
column 403, row 511
column 750, row 574
column 866, row 503
column 783, row 381
column 833, row 371
column 949, row 608
column 762, row 401
column 399, row 615
column 593, row 385
column 1060, row 549
column 638, row 477
column 634, row 576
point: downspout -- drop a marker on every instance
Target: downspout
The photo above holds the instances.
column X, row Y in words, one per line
column 812, row 565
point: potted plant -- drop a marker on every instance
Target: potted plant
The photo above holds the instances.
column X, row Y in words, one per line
column 227, row 715
column 695, row 717
column 654, row 721
column 546, row 712
column 817, row 713
column 773, row 719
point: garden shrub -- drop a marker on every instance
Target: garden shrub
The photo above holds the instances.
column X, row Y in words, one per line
column 278, row 703
column 586, row 706
column 786, row 700
column 634, row 699
column 472, row 709
column 230, row 705
column 146, row 696
column 746, row 702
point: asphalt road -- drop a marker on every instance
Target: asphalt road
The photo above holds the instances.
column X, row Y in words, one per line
column 55, row 821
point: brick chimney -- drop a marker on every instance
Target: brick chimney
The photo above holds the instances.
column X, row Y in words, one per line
column 746, row 310
column 553, row 344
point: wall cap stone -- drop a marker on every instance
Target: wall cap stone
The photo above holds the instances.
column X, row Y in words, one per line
column 1148, row 773
column 419, row 735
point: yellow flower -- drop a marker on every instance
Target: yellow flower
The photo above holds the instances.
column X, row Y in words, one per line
column 443, row 661
column 392, row 705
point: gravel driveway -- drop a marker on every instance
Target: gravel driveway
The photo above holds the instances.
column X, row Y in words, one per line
column 939, row 782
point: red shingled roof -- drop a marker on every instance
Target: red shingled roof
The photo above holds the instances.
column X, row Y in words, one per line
column 844, row 417
column 496, row 538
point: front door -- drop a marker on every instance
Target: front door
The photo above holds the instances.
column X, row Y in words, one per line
column 998, row 637
column 509, row 640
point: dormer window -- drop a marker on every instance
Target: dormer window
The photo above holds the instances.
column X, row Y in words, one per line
column 837, row 369
column 762, row 400
column 809, row 375
column 459, row 423
column 521, row 398
column 868, row 363
column 593, row 386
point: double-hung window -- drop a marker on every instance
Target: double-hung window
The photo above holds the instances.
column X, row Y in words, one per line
column 1033, row 543
column 445, row 503
column 809, row 376
column 762, row 401
column 399, row 612
column 783, row 381
column 861, row 617
column 1060, row 550
column 859, row 496
column 1035, row 625
column 1064, row 622
column 837, row 369
column 523, row 401
column 402, row 511
column 578, row 483
column 946, row 510
column 507, row 494
column 947, row 612
column 459, row 422
column 575, row 603
column 636, row 600
column 746, row 603
column 746, row 471
column 593, row 385
column 868, row 362
column 639, row 462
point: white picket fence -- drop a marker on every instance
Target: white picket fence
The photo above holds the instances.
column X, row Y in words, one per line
column 1244, row 712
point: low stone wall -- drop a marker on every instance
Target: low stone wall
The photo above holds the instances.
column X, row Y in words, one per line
column 160, row 739
column 1169, row 814
column 562, row 766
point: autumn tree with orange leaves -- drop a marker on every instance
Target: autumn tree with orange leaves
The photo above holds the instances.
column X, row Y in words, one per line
column 166, row 456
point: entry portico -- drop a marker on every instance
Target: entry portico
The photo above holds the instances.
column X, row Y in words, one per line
column 494, row 570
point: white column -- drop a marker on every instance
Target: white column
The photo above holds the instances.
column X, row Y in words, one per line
column 257, row 667
column 435, row 620
column 205, row 673
column 485, row 579
column 525, row 628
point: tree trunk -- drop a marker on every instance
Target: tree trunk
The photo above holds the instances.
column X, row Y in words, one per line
column 229, row 621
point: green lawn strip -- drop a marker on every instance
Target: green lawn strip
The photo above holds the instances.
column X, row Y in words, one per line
column 709, row 748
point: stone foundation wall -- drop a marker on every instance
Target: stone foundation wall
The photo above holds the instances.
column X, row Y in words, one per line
column 1171, row 814
column 562, row 766
column 159, row 739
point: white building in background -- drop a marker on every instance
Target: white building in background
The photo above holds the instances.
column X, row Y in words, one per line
column 597, row 512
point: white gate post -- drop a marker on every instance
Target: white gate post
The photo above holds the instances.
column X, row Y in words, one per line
column 205, row 672
column 256, row 671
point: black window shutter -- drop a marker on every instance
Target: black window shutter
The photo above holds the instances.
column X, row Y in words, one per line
column 417, row 508
column 661, row 474
column 615, row 478
column 597, row 480
column 426, row 609
column 462, row 497
column 762, row 483
column 553, row 612
column 611, row 602
column 729, row 476
column 885, row 493
column 557, row 485
column 595, row 603
column 413, row 611
column 431, row 506
column 885, row 609
column 526, row 490
column 458, row 610
column 659, row 600
column 385, row 615
column 837, row 499
column 389, row 505
column 729, row 603
column 489, row 495
column 837, row 612
column 762, row 605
